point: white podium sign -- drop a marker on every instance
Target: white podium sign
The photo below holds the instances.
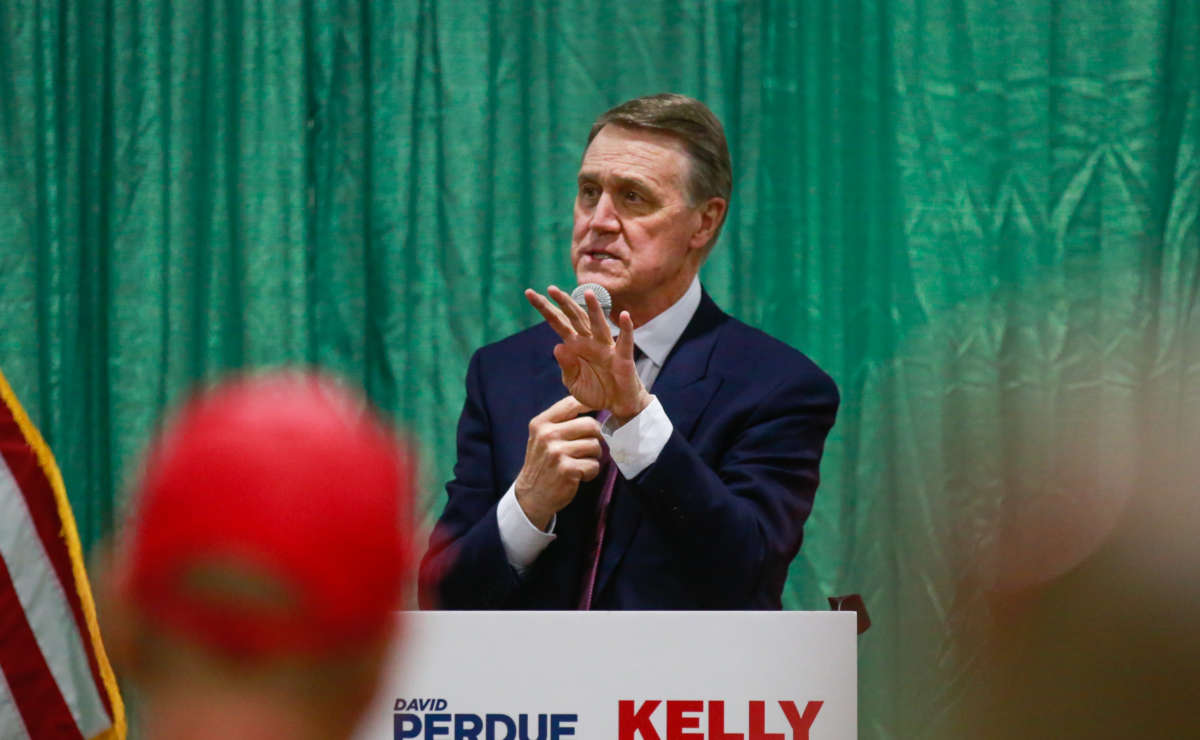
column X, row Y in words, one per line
column 620, row 676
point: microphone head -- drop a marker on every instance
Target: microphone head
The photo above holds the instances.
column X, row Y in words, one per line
column 599, row 291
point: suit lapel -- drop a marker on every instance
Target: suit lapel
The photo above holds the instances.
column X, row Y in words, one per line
column 684, row 388
column 548, row 383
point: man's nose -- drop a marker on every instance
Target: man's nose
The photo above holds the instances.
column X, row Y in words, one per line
column 604, row 218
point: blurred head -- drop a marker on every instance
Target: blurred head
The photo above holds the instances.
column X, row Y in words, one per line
column 266, row 552
column 653, row 191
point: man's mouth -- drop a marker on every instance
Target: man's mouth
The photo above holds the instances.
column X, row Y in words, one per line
column 599, row 255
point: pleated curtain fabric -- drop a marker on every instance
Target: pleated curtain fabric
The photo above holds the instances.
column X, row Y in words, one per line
column 979, row 217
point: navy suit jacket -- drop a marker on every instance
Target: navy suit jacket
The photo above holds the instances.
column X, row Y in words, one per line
column 713, row 523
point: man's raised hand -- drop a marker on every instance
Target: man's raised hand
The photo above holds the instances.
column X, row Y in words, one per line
column 598, row 371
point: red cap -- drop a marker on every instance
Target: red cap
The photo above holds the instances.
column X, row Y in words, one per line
column 272, row 515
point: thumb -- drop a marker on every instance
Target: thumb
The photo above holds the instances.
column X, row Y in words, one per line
column 567, row 361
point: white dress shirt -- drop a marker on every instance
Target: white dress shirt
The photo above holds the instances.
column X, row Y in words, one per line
column 634, row 446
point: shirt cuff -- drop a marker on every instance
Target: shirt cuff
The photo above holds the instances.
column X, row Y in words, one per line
column 522, row 541
column 637, row 444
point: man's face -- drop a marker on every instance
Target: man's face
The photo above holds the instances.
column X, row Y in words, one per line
column 635, row 232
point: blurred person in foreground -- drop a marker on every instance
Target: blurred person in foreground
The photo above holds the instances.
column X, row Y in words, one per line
column 690, row 487
column 251, row 593
column 1092, row 628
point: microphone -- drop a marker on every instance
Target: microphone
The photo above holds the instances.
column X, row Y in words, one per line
column 599, row 291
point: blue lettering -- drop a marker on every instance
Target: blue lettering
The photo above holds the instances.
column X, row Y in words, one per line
column 503, row 720
column 406, row 726
column 467, row 726
column 558, row 726
column 414, row 704
column 541, row 731
column 436, row 724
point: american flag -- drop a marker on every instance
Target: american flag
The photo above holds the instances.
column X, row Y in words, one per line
column 55, row 680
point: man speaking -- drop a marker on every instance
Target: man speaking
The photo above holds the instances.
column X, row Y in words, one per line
column 689, row 486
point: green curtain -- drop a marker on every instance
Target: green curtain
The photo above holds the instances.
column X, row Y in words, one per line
column 980, row 217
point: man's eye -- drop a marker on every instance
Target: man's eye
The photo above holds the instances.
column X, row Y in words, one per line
column 589, row 192
column 633, row 196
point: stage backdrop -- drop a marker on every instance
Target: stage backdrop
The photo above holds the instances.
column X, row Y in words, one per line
column 980, row 217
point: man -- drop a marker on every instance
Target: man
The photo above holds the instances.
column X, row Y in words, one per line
column 252, row 593
column 714, row 429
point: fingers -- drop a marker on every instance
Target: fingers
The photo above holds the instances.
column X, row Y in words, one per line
column 568, row 361
column 561, row 425
column 573, row 445
column 579, row 470
column 583, row 427
column 588, row 469
column 625, row 338
column 564, row 409
column 568, row 318
column 581, row 449
column 559, row 322
column 595, row 313
column 575, row 314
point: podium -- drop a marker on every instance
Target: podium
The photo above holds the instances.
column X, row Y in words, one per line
column 620, row 676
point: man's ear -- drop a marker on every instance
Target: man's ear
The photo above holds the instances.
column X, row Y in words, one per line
column 712, row 215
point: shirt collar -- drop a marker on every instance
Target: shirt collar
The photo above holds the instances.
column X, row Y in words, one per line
column 658, row 335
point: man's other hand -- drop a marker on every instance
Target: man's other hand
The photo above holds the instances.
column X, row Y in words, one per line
column 597, row 370
column 563, row 449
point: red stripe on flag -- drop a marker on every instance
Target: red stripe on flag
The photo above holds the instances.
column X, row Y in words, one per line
column 33, row 688
column 39, row 499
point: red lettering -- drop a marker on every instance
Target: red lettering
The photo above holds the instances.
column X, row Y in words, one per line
column 800, row 724
column 631, row 722
column 758, row 723
column 716, row 723
column 677, row 721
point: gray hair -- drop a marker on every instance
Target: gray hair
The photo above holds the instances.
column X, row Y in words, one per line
column 691, row 123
